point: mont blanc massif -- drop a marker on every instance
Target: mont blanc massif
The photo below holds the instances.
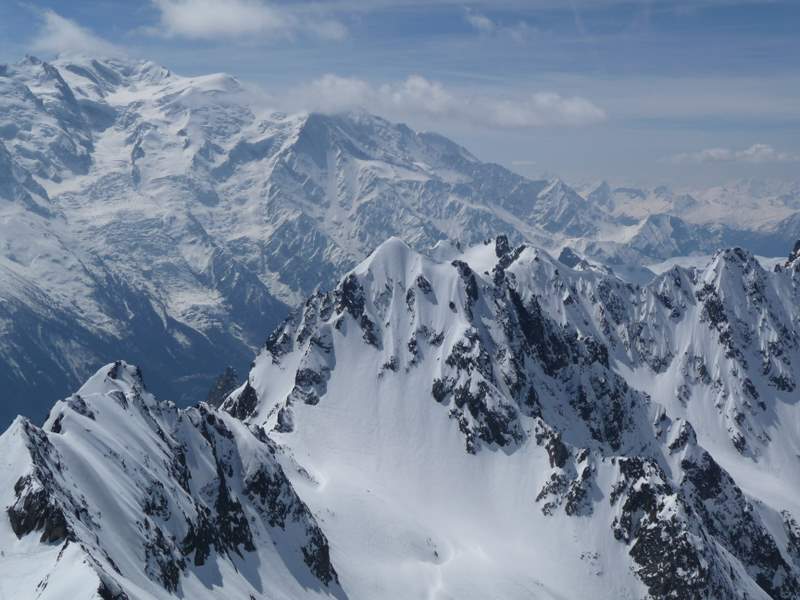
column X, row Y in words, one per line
column 277, row 356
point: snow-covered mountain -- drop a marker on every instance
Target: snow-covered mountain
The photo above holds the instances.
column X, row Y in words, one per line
column 744, row 204
column 91, row 265
column 757, row 206
column 120, row 496
column 520, row 428
column 173, row 220
column 468, row 424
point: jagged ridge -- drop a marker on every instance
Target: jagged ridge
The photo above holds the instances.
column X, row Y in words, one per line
column 155, row 501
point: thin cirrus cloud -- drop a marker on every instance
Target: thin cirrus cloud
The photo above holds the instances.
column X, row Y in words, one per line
column 480, row 22
column 58, row 34
column 756, row 154
column 213, row 20
column 421, row 97
column 518, row 32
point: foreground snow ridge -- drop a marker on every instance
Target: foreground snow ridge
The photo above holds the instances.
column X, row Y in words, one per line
column 121, row 496
column 487, row 423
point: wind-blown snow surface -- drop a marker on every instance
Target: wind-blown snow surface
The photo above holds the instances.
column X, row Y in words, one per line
column 171, row 219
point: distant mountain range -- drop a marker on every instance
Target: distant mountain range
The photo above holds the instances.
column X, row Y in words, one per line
column 175, row 220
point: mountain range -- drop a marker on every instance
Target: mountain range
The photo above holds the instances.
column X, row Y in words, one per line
column 173, row 220
column 456, row 381
column 466, row 423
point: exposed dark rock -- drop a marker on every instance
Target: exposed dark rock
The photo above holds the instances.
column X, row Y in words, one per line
column 684, row 437
column 542, row 341
column 200, row 537
column 317, row 555
column 77, row 404
column 792, row 530
column 109, row 590
column 470, row 284
column 35, row 510
column 162, row 562
column 569, row 258
column 244, row 404
column 285, row 420
column 557, row 452
column 501, row 246
column 222, row 386
column 56, row 426
column 423, row 284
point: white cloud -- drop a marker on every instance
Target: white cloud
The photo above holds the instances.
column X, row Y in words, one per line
column 545, row 108
column 757, row 153
column 520, row 32
column 58, row 34
column 332, row 93
column 480, row 22
column 418, row 96
column 764, row 153
column 216, row 19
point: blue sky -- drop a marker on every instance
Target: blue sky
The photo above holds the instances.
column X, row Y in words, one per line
column 651, row 91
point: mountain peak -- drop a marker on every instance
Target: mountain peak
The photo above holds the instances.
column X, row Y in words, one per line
column 392, row 251
column 116, row 375
column 555, row 186
column 392, row 261
column 602, row 195
column 739, row 258
column 30, row 59
column 145, row 496
column 96, row 77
